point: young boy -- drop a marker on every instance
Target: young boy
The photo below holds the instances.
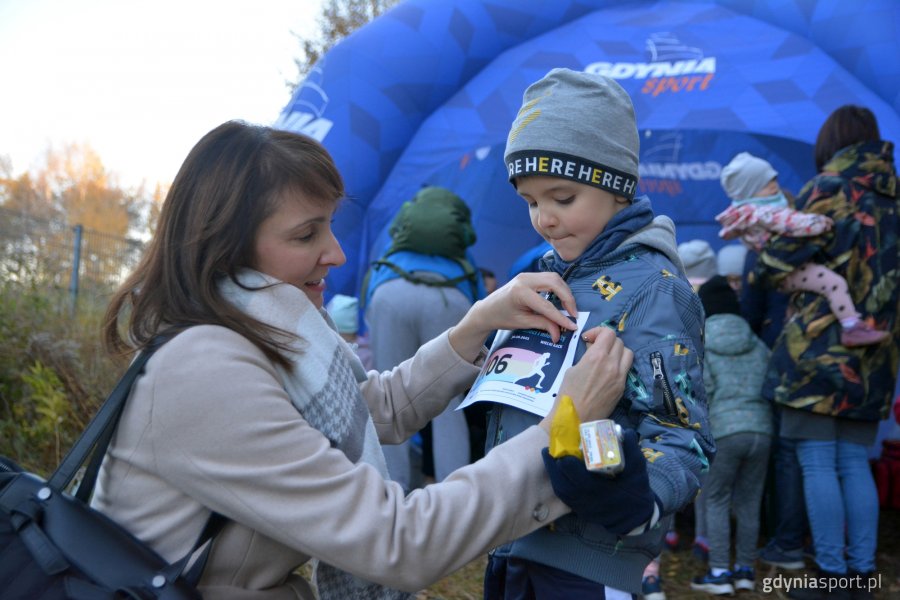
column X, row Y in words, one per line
column 572, row 154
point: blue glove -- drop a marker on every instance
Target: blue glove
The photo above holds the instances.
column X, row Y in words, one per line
column 619, row 503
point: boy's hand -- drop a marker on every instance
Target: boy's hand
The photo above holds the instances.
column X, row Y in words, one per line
column 619, row 503
column 517, row 305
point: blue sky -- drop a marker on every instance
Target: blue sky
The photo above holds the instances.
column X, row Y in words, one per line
column 141, row 81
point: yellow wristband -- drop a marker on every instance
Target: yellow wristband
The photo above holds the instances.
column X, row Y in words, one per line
column 565, row 436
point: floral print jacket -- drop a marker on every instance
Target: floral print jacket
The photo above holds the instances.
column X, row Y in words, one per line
column 810, row 369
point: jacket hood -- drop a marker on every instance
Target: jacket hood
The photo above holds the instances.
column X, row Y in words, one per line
column 659, row 235
column 729, row 335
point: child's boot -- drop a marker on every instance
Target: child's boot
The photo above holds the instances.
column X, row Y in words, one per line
column 862, row 334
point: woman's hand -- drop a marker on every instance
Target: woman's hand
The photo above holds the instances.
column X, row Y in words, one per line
column 597, row 382
column 517, row 305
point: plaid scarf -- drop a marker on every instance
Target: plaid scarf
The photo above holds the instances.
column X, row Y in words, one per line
column 323, row 383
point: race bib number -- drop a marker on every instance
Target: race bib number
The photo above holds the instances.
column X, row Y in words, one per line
column 524, row 368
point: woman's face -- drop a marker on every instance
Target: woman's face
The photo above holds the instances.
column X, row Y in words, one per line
column 296, row 245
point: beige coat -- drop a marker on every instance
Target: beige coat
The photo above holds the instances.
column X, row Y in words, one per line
column 208, row 426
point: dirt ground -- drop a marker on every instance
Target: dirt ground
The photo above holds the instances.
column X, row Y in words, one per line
column 680, row 566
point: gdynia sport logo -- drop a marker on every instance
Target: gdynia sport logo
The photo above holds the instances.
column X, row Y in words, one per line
column 672, row 67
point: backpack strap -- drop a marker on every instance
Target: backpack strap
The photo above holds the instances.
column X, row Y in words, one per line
column 429, row 282
column 469, row 275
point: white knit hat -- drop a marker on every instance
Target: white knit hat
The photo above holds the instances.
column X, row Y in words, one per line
column 745, row 175
column 731, row 259
column 699, row 260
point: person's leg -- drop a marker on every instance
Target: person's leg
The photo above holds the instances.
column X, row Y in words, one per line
column 748, row 490
column 790, row 506
column 449, row 430
column 391, row 319
column 700, row 528
column 824, row 503
column 550, row 583
column 718, row 491
column 450, row 440
column 785, row 546
column 399, row 464
column 495, row 578
column 700, row 545
column 861, row 505
column 819, row 279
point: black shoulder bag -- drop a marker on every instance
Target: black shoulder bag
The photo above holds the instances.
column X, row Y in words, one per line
column 54, row 546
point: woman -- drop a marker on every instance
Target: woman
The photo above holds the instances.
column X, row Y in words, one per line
column 256, row 409
column 833, row 396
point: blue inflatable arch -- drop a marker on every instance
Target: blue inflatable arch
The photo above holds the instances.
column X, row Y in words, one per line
column 425, row 95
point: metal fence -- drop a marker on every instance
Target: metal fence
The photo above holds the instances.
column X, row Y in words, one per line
column 56, row 254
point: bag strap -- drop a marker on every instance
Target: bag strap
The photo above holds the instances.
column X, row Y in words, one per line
column 98, row 433
column 213, row 526
column 97, row 436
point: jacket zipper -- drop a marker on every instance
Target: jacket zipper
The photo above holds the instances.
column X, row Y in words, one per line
column 660, row 380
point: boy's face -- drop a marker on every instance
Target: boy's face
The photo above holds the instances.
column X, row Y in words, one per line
column 569, row 215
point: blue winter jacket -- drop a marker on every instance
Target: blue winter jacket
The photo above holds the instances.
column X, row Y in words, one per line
column 639, row 289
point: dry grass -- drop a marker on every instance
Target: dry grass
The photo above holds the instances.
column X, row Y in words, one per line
column 465, row 584
column 679, row 567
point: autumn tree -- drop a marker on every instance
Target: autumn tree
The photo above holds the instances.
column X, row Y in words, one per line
column 339, row 18
column 40, row 209
column 87, row 193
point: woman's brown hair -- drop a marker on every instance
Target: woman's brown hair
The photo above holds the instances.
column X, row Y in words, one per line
column 228, row 184
column 844, row 127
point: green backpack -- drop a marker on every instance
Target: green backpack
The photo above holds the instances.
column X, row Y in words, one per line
column 435, row 222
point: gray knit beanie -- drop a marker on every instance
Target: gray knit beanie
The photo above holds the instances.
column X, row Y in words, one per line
column 745, row 175
column 577, row 126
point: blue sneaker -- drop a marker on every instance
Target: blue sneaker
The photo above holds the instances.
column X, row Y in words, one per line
column 720, row 585
column 743, row 579
column 651, row 588
column 775, row 556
